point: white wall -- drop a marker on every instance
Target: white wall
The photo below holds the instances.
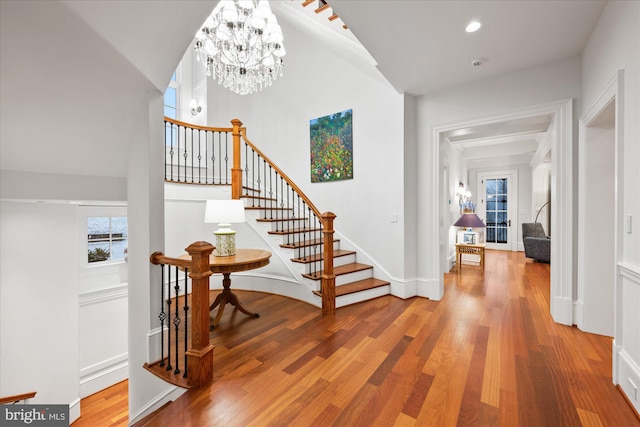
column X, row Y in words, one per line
column 103, row 318
column 520, row 89
column 541, row 194
column 453, row 171
column 39, row 303
column 410, row 189
column 615, row 45
column 317, row 81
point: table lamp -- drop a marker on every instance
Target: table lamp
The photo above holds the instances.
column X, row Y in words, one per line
column 224, row 212
column 468, row 221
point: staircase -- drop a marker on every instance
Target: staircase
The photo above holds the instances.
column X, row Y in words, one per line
column 300, row 243
column 280, row 209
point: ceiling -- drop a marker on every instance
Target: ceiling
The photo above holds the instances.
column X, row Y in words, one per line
column 422, row 47
column 510, row 142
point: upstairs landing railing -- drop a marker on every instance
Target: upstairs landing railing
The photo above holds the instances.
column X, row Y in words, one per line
column 207, row 155
column 186, row 353
column 16, row 398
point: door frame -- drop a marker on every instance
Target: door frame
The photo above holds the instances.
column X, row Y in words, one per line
column 562, row 204
column 512, row 174
column 612, row 92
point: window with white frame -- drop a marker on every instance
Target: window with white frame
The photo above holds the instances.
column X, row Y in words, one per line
column 106, row 237
column 171, row 98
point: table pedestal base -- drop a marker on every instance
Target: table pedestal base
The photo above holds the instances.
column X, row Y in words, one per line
column 227, row 297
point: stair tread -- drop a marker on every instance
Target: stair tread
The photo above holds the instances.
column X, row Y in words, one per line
column 358, row 286
column 303, row 244
column 280, row 219
column 255, row 190
column 268, row 208
column 295, row 231
column 318, row 257
column 168, row 376
column 340, row 270
column 248, row 196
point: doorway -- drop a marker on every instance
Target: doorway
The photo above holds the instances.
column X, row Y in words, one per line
column 497, row 207
column 600, row 216
column 597, row 237
column 562, row 209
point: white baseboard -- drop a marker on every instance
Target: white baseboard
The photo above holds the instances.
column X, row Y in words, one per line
column 104, row 374
column 169, row 394
column 403, row 288
column 629, row 378
column 74, row 410
column 430, row 288
column 562, row 311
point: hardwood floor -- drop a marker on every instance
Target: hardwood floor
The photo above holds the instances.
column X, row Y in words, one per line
column 488, row 354
column 107, row 408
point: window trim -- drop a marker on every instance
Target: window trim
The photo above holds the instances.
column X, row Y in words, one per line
column 96, row 211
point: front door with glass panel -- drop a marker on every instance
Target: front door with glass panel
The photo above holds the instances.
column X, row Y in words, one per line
column 498, row 202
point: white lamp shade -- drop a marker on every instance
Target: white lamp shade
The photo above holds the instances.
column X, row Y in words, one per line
column 224, row 211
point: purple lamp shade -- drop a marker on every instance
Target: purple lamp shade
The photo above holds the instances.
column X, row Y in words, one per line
column 469, row 220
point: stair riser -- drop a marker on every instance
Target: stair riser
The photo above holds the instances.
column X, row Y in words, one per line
column 357, row 297
column 311, row 250
column 342, row 260
column 271, row 214
column 284, row 225
column 343, row 279
column 293, row 238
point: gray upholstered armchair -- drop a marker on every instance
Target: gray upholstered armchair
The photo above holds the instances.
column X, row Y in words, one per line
column 536, row 244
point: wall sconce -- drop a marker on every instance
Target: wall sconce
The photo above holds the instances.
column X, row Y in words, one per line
column 464, row 199
column 195, row 108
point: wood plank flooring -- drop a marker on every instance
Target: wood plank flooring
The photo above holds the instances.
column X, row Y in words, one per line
column 107, row 408
column 488, row 354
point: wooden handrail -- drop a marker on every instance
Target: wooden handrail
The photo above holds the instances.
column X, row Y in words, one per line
column 158, row 258
column 328, row 282
column 192, row 126
column 17, row 397
column 281, row 173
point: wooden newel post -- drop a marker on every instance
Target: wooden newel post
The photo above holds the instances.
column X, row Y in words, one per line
column 328, row 278
column 200, row 355
column 236, row 169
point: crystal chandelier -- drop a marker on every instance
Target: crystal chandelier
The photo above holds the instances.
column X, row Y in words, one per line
column 240, row 45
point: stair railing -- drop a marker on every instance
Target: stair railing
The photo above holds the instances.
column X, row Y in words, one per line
column 17, row 398
column 207, row 155
column 197, row 154
column 279, row 199
column 196, row 366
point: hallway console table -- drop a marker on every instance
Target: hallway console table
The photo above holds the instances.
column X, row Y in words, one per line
column 469, row 249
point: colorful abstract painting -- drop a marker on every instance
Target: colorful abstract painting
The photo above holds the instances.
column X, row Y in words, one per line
column 332, row 147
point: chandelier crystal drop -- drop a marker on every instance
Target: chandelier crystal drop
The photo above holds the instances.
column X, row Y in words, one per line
column 240, row 45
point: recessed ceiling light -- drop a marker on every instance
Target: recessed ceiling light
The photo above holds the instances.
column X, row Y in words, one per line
column 473, row 26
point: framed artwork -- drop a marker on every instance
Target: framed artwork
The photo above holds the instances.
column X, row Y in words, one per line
column 332, row 147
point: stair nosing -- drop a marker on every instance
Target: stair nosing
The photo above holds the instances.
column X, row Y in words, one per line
column 340, row 253
column 343, row 289
column 342, row 270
